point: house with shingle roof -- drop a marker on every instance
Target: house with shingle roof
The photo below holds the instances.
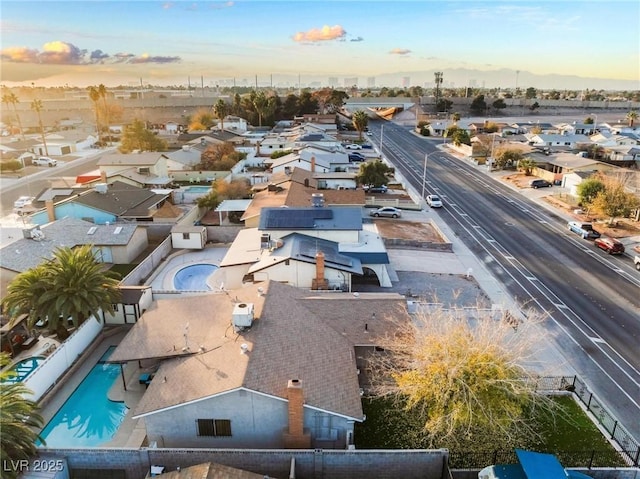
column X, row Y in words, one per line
column 144, row 169
column 105, row 204
column 263, row 366
column 120, row 243
column 286, row 243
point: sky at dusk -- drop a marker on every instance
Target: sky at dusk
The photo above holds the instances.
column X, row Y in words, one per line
column 80, row 43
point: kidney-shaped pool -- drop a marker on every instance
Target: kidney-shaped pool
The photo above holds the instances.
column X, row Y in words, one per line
column 194, row 277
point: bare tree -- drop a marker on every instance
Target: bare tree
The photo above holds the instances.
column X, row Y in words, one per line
column 467, row 375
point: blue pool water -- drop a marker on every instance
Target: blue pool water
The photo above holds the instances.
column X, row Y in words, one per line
column 193, row 277
column 197, row 189
column 88, row 418
column 23, row 368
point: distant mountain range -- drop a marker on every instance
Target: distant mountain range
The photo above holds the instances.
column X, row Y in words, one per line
column 503, row 78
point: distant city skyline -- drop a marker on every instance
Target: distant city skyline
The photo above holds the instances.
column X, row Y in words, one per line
column 577, row 45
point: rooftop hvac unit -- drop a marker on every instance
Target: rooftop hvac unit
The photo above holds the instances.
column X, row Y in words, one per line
column 265, row 241
column 242, row 315
column 317, row 200
column 101, row 188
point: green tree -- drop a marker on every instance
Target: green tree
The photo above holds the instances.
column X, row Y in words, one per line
column 456, row 117
column 588, row 121
column 102, row 91
column 94, row 95
column 534, row 106
column 36, row 105
column 260, row 104
column 614, row 201
column 329, row 100
column 458, row 135
column 507, row 157
column 360, row 121
column 478, row 105
column 221, row 110
column 588, row 189
column 373, row 173
column 11, row 99
column 220, row 157
column 499, row 104
column 530, row 93
column 137, row 137
column 463, row 377
column 444, row 104
column 209, row 201
column 18, row 421
column 73, row 285
column 632, row 116
column 201, row 120
column 527, row 165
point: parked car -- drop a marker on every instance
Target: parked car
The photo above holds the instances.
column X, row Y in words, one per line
column 353, row 146
column 636, row 261
column 583, row 229
column 386, row 211
column 44, row 161
column 540, row 184
column 610, row 245
column 434, row 201
column 375, row 189
column 355, row 156
column 22, row 202
column 367, row 146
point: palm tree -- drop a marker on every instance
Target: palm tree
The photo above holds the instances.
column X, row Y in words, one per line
column 11, row 98
column 36, row 105
column 220, row 109
column 456, row 117
column 73, row 285
column 632, row 116
column 527, row 165
column 360, row 121
column 18, row 422
column 102, row 90
column 261, row 104
column 94, row 94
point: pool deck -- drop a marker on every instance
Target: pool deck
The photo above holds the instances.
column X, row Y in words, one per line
column 162, row 279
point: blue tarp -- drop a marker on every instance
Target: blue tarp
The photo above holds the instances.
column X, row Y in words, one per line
column 537, row 465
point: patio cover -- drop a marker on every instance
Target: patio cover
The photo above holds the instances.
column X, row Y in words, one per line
column 232, row 205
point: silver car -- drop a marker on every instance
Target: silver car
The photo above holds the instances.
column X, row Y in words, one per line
column 387, row 211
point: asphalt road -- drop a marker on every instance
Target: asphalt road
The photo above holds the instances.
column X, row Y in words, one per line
column 35, row 183
column 591, row 300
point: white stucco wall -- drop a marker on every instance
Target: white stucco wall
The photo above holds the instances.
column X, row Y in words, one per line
column 339, row 236
column 257, row 421
column 300, row 274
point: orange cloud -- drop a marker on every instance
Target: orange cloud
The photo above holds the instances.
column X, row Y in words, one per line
column 19, row 55
column 323, row 34
column 400, row 51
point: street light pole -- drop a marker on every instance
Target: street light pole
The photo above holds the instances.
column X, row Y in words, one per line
column 424, row 173
column 381, row 135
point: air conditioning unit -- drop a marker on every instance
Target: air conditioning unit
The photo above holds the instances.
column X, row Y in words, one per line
column 101, row 188
column 242, row 316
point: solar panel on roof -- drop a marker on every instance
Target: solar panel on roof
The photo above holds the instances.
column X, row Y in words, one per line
column 295, row 218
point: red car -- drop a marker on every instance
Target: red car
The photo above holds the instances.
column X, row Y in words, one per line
column 610, row 245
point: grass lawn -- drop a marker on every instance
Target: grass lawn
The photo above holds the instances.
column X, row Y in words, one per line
column 390, row 427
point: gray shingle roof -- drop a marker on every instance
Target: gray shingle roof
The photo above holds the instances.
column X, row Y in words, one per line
column 25, row 254
column 122, row 199
column 293, row 336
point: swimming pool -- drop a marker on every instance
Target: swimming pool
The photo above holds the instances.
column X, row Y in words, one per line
column 23, row 368
column 197, row 189
column 194, row 277
column 88, row 418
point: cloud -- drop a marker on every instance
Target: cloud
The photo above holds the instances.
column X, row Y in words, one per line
column 64, row 53
column 400, row 51
column 357, row 39
column 323, row 34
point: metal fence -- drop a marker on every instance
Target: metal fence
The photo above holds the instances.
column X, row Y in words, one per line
column 628, row 448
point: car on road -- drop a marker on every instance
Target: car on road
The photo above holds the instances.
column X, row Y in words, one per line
column 356, row 156
column 375, row 189
column 353, row 146
column 434, row 201
column 367, row 146
column 583, row 229
column 44, row 161
column 387, row 212
column 540, row 184
column 610, row 245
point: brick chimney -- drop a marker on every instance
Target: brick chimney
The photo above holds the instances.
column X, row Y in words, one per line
column 313, row 164
column 51, row 212
column 103, row 176
column 294, row 436
column 319, row 282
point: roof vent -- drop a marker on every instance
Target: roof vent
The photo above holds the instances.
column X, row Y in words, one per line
column 317, row 200
column 242, row 316
column 101, row 188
